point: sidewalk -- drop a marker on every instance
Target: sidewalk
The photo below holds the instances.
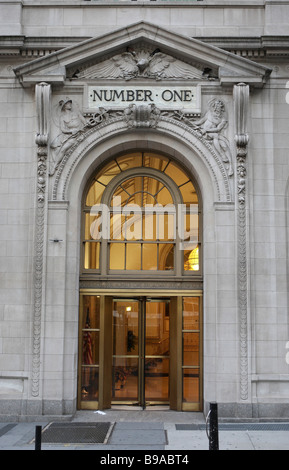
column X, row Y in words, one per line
column 144, row 430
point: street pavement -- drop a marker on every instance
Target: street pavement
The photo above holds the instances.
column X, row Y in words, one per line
column 150, row 431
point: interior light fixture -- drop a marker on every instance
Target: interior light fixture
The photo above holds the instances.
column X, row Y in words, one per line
column 193, row 263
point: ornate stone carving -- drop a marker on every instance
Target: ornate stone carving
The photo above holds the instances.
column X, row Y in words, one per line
column 141, row 63
column 41, row 177
column 71, row 124
column 113, row 124
column 241, row 98
column 98, row 117
column 208, row 129
column 211, row 127
column 42, row 92
column 42, row 96
column 142, row 115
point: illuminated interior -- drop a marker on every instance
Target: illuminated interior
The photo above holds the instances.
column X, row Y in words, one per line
column 141, row 345
column 141, row 217
column 147, row 195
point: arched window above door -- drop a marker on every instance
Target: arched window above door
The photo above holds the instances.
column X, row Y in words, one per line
column 141, row 214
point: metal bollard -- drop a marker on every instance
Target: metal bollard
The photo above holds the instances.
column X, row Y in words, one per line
column 38, row 431
column 213, row 434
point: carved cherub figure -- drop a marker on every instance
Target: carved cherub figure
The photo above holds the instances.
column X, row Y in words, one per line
column 71, row 124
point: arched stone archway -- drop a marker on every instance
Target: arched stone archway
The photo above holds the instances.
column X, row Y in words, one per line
column 170, row 136
column 223, row 189
column 65, row 191
column 222, row 236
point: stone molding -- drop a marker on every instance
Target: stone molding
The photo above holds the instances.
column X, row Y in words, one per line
column 252, row 48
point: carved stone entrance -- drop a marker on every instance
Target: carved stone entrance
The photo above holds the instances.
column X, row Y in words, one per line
column 208, row 137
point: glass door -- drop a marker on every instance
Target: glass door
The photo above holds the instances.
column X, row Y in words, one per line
column 125, row 351
column 89, row 350
column 140, row 350
column 157, row 351
column 140, row 362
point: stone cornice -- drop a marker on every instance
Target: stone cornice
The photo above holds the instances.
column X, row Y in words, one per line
column 53, row 68
column 253, row 48
column 137, row 3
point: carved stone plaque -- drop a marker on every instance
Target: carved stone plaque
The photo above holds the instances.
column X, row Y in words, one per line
column 187, row 98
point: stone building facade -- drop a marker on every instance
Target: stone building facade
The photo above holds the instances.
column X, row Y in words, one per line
column 182, row 105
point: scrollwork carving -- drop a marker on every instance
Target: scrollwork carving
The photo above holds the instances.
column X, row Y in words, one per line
column 41, row 177
column 241, row 98
column 42, row 95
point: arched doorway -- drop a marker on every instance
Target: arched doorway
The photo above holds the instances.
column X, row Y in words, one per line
column 140, row 336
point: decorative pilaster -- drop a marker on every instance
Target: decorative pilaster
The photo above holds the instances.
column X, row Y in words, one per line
column 241, row 100
column 42, row 95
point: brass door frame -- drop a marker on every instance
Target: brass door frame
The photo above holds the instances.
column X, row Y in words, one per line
column 195, row 406
column 142, row 300
column 105, row 345
column 142, row 346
